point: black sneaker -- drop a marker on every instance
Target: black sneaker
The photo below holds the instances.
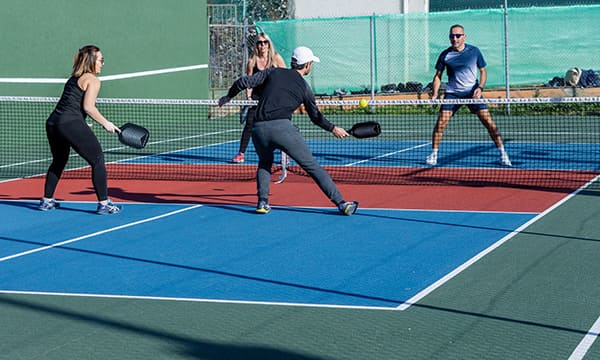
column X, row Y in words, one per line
column 348, row 208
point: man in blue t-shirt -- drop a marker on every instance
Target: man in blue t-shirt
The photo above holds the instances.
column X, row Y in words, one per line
column 463, row 62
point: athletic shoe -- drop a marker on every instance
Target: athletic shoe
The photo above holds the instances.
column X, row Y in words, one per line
column 504, row 160
column 348, row 208
column 432, row 159
column 109, row 208
column 48, row 204
column 263, row 207
column 239, row 158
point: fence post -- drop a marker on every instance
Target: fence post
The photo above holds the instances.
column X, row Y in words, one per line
column 506, row 57
column 373, row 57
column 245, row 48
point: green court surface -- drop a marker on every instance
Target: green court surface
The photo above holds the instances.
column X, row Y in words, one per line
column 535, row 297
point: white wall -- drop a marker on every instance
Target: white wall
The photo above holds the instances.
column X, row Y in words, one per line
column 307, row 9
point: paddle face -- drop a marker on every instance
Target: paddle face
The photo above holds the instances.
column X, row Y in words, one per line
column 134, row 135
column 244, row 114
column 365, row 129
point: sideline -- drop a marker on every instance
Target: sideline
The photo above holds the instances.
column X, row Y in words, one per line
column 587, row 342
column 428, row 290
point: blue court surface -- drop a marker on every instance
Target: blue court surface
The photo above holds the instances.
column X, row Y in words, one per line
column 378, row 258
column 458, row 154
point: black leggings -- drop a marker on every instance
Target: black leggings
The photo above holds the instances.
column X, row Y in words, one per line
column 247, row 132
column 79, row 136
column 283, row 135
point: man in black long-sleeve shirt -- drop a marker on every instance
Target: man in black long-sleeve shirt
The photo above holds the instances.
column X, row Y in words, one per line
column 283, row 91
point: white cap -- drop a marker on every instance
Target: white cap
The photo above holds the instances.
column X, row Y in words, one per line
column 572, row 76
column 303, row 55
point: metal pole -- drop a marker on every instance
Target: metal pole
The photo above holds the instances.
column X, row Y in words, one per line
column 373, row 59
column 506, row 58
column 245, row 49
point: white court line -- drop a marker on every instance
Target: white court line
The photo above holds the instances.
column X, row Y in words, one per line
column 125, row 147
column 127, row 161
column 403, row 306
column 428, row 290
column 108, row 77
column 43, row 248
column 218, row 301
column 587, row 342
column 422, row 210
column 389, row 154
column 153, row 72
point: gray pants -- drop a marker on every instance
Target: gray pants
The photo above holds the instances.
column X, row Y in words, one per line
column 267, row 136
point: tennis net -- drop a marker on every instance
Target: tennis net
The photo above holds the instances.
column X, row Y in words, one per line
column 552, row 142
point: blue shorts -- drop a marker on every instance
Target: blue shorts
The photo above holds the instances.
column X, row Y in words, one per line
column 454, row 107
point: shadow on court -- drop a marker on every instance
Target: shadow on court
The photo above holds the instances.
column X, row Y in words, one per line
column 171, row 197
column 324, row 211
column 393, row 302
column 191, row 347
column 186, row 346
column 34, row 206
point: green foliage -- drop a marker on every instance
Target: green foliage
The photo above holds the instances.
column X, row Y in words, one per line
column 444, row 5
column 257, row 10
column 562, row 109
column 266, row 10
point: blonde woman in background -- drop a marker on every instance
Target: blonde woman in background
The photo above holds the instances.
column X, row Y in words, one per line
column 263, row 56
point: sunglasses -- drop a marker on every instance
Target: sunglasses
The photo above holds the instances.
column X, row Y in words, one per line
column 263, row 42
column 101, row 61
column 455, row 36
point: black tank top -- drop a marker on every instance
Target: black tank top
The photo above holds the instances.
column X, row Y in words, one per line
column 70, row 105
column 257, row 91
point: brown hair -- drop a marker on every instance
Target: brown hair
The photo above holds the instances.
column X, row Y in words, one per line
column 85, row 60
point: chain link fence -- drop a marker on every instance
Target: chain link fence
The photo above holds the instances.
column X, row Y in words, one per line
column 396, row 53
column 233, row 36
column 445, row 5
column 523, row 47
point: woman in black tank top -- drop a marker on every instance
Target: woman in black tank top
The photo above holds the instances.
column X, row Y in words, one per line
column 66, row 128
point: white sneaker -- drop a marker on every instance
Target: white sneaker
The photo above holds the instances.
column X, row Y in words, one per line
column 504, row 160
column 432, row 159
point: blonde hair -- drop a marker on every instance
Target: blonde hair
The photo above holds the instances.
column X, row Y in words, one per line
column 270, row 53
column 84, row 60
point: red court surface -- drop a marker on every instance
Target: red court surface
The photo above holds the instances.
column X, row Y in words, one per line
column 297, row 191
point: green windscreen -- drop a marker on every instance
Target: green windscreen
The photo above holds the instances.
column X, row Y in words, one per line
column 542, row 43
